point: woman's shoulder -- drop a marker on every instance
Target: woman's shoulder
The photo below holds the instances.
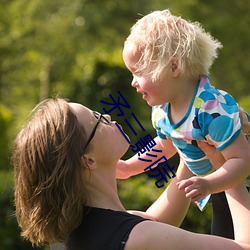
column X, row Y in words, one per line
column 110, row 227
column 156, row 235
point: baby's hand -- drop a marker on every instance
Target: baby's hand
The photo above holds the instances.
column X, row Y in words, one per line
column 194, row 187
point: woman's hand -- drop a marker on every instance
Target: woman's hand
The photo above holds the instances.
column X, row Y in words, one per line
column 245, row 124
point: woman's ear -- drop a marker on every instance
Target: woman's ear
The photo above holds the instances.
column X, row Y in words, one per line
column 90, row 161
column 175, row 66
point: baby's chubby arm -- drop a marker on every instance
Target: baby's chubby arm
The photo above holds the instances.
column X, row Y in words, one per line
column 233, row 171
column 198, row 187
column 134, row 166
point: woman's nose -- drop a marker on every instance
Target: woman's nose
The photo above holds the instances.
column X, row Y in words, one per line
column 108, row 117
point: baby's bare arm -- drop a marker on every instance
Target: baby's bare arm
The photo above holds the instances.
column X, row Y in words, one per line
column 233, row 168
column 134, row 166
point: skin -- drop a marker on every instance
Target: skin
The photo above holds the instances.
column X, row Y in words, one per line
column 167, row 89
column 245, row 122
column 178, row 91
column 101, row 184
column 190, row 186
column 153, row 235
column 100, row 160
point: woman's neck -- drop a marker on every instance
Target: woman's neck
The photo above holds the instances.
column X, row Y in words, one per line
column 102, row 189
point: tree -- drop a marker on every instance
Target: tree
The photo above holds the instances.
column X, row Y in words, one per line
column 72, row 48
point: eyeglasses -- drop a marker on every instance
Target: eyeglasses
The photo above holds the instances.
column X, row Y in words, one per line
column 100, row 118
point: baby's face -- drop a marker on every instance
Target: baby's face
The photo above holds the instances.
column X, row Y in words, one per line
column 154, row 93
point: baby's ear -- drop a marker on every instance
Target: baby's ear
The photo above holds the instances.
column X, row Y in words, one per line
column 175, row 66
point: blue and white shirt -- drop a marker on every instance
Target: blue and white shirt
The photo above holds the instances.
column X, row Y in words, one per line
column 213, row 115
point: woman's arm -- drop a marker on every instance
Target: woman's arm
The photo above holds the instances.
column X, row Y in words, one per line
column 159, row 236
column 171, row 207
column 239, row 203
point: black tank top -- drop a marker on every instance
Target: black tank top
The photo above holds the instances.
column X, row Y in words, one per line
column 102, row 229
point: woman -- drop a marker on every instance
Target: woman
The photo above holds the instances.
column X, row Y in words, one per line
column 65, row 189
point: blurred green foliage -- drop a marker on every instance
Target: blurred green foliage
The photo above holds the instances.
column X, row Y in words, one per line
column 72, row 48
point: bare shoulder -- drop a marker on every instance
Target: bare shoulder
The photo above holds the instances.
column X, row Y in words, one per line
column 153, row 235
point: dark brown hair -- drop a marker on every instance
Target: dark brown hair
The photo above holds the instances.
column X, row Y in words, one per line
column 49, row 180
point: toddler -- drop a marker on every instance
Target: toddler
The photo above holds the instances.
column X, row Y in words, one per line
column 170, row 59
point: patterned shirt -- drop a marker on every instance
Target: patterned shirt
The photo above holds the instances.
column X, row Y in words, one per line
column 213, row 115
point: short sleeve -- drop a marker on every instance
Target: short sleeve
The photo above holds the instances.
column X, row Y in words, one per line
column 219, row 120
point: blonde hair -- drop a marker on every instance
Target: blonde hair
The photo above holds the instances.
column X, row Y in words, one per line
column 160, row 36
column 49, row 181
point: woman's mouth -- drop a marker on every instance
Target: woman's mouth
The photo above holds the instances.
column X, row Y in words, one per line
column 120, row 126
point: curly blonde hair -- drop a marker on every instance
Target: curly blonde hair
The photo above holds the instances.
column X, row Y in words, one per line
column 160, row 36
column 49, row 180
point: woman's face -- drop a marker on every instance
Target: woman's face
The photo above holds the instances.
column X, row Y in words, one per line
column 107, row 142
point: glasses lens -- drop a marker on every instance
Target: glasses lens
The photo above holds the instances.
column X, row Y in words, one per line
column 99, row 116
column 105, row 120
